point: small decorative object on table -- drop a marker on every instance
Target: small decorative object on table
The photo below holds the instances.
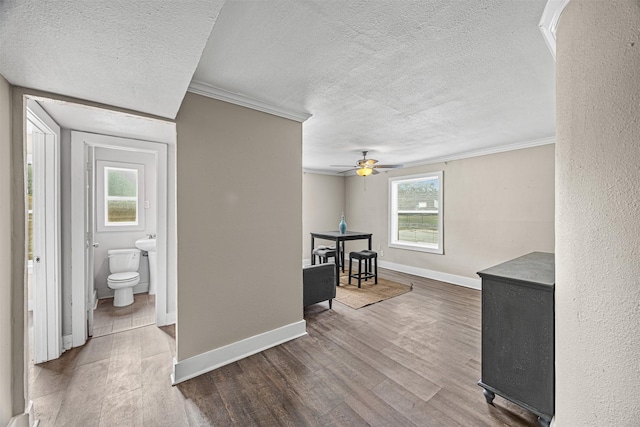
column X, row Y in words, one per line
column 343, row 225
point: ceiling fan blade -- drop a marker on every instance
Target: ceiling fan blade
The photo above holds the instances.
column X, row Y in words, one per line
column 388, row 166
column 348, row 170
column 374, row 172
column 342, row 166
column 371, row 162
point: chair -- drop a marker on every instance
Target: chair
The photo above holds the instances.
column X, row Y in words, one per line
column 324, row 253
column 368, row 257
column 318, row 284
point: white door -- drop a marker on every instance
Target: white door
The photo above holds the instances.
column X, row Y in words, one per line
column 45, row 283
column 90, row 244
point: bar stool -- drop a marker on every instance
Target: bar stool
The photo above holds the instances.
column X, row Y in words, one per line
column 324, row 253
column 366, row 256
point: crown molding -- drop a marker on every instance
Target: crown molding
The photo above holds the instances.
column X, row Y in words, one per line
column 207, row 90
column 549, row 22
column 486, row 151
column 459, row 156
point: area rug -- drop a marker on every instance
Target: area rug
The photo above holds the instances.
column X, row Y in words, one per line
column 354, row 297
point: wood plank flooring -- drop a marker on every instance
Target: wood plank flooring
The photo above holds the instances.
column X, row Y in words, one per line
column 413, row 360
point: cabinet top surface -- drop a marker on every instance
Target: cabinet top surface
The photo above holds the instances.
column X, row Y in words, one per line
column 536, row 267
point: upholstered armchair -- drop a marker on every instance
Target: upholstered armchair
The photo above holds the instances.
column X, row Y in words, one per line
column 318, row 283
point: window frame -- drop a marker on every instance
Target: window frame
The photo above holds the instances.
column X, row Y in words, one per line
column 101, row 197
column 394, row 242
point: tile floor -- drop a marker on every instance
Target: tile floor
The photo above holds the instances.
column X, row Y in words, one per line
column 108, row 319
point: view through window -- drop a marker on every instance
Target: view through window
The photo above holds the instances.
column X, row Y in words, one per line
column 416, row 212
column 121, row 196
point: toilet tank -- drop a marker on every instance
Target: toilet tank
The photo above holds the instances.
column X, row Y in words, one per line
column 123, row 260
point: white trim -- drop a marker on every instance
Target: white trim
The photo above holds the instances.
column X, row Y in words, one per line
column 78, row 243
column 207, row 90
column 486, row 151
column 170, row 319
column 549, row 22
column 67, row 342
column 467, row 282
column 213, row 359
column 460, row 156
column 46, row 305
column 26, row 419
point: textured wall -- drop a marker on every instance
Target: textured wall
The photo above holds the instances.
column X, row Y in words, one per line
column 496, row 207
column 323, row 201
column 598, row 200
column 239, row 177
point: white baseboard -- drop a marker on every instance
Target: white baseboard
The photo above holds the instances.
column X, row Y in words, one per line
column 170, row 319
column 67, row 342
column 467, row 282
column 213, row 359
column 25, row 419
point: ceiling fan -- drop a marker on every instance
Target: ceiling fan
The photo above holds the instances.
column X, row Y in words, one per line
column 366, row 167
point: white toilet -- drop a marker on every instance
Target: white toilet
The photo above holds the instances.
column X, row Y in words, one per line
column 123, row 266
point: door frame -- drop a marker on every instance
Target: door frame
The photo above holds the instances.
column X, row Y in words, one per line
column 47, row 325
column 166, row 228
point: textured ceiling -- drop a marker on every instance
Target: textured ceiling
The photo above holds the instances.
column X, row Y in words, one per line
column 409, row 81
column 108, row 122
column 136, row 54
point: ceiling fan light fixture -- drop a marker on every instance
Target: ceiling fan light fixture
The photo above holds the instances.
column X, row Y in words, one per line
column 364, row 171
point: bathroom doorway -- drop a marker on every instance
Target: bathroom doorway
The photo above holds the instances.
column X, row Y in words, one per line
column 92, row 156
column 122, row 198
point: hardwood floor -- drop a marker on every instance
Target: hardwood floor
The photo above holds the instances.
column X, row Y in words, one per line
column 413, row 360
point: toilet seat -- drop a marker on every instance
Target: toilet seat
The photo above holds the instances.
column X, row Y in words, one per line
column 123, row 277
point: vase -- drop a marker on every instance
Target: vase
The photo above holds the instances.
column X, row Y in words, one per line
column 343, row 225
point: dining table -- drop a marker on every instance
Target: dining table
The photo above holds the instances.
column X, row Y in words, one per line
column 339, row 239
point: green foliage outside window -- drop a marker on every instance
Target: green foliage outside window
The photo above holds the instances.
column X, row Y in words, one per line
column 122, row 197
column 418, row 211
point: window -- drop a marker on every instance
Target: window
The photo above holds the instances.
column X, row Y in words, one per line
column 415, row 217
column 119, row 196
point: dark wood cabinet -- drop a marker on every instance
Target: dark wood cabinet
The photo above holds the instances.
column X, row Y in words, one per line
column 518, row 333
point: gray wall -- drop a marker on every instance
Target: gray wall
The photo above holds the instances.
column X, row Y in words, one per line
column 598, row 229
column 65, row 229
column 323, row 201
column 496, row 207
column 239, row 201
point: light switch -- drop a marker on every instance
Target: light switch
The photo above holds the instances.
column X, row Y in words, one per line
column 147, row 205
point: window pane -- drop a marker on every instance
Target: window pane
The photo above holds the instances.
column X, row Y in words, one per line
column 122, row 182
column 416, row 213
column 121, row 211
column 418, row 227
column 418, row 195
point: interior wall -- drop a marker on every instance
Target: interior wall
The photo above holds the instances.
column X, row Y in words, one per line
column 125, row 239
column 8, row 328
column 598, row 199
column 496, row 207
column 239, row 204
column 65, row 230
column 323, row 201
